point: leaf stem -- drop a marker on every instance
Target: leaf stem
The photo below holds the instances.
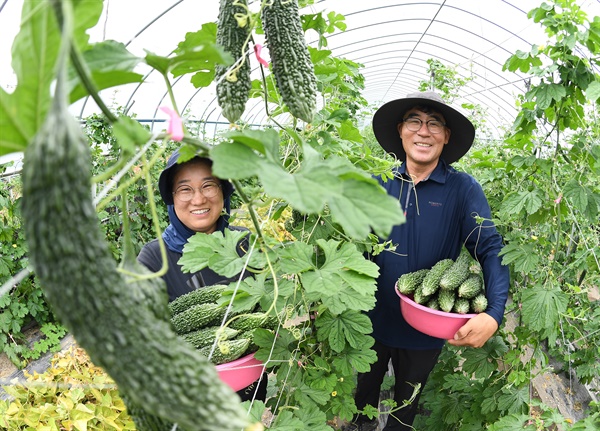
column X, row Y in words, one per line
column 240, row 191
column 86, row 80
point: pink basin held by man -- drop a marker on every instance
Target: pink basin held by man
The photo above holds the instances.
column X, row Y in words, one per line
column 429, row 321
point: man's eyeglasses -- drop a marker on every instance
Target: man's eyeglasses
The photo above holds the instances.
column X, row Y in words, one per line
column 208, row 189
column 415, row 124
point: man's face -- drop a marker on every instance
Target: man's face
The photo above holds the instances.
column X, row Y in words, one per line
column 423, row 147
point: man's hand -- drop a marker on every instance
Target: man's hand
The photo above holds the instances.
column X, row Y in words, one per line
column 476, row 331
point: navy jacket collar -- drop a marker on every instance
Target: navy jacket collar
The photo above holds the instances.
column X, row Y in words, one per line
column 438, row 175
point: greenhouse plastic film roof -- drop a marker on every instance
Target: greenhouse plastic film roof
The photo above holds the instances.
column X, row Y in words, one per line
column 393, row 40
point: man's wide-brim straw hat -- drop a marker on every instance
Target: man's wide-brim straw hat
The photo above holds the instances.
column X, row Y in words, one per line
column 387, row 117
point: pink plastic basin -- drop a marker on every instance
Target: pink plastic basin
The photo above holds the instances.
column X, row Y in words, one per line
column 431, row 322
column 240, row 373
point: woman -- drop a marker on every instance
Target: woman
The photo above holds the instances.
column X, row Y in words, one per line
column 196, row 201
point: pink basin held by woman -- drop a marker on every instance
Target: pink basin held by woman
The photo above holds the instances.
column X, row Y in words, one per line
column 429, row 321
column 240, row 373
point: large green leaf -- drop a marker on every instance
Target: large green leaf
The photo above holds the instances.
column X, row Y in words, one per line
column 312, row 418
column 296, row 257
column 356, row 359
column 522, row 256
column 349, row 327
column 275, row 348
column 514, row 400
column 110, row 65
column 355, row 200
column 577, row 194
column 346, row 280
column 482, row 362
column 235, row 161
column 285, row 421
column 592, row 93
column 542, row 308
column 216, row 251
column 546, row 93
column 528, row 200
column 34, row 54
column 512, row 423
column 197, row 54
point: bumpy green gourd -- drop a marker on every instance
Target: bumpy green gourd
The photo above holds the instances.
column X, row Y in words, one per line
column 197, row 317
column 206, row 336
column 419, row 297
column 110, row 316
column 471, row 286
column 431, row 282
column 457, row 272
column 446, row 300
column 433, row 303
column 292, row 67
column 479, row 303
column 233, row 86
column 461, row 306
column 232, row 350
column 195, row 297
column 407, row 283
column 254, row 320
column 143, row 420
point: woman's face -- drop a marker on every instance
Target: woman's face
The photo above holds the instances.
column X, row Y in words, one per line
column 195, row 210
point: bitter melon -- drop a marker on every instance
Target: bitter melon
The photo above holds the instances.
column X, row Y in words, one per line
column 431, row 282
column 479, row 303
column 109, row 316
column 407, row 283
column 446, row 300
column 457, row 272
column 206, row 336
column 461, row 306
column 197, row 317
column 195, row 297
column 233, row 82
column 433, row 303
column 292, row 67
column 471, row 286
column 254, row 320
column 226, row 351
column 419, row 297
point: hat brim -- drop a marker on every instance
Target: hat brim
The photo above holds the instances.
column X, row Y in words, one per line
column 387, row 117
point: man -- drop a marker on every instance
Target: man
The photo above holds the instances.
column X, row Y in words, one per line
column 443, row 209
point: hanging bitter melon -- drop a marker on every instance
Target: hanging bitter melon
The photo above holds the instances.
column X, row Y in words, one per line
column 109, row 316
column 292, row 67
column 233, row 82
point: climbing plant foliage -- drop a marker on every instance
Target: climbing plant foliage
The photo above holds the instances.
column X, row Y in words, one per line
column 542, row 181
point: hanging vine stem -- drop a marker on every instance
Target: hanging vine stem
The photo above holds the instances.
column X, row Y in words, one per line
column 243, row 20
column 155, row 224
column 88, row 84
column 103, row 198
column 251, row 209
column 109, row 172
column 170, row 91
